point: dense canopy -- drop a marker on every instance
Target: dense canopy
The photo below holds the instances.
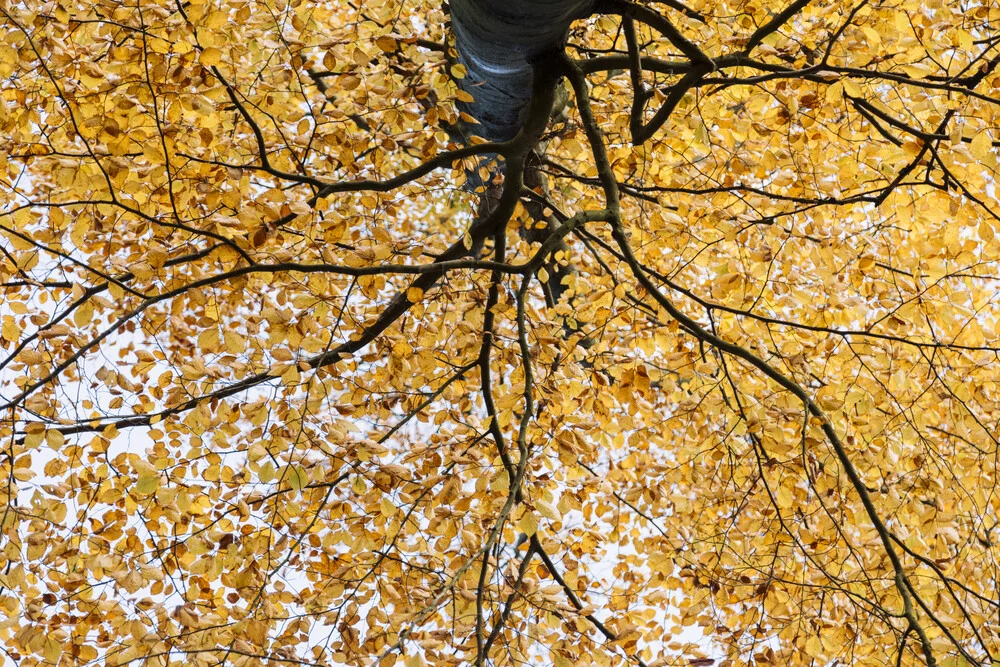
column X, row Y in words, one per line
column 699, row 365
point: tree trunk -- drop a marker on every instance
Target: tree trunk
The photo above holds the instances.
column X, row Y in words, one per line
column 496, row 40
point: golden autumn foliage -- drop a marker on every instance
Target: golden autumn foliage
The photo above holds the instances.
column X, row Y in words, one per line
column 273, row 392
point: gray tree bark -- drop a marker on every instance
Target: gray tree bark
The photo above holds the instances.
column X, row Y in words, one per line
column 496, row 41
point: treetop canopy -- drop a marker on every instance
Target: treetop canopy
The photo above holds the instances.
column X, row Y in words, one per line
column 703, row 371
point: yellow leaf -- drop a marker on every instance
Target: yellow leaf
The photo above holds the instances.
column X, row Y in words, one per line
column 297, row 477
column 234, row 342
column 52, row 650
column 414, row 294
column 216, row 19
column 547, row 510
column 501, row 482
column 209, row 339
column 147, row 484
column 528, row 523
column 8, row 60
column 986, row 232
column 54, row 439
column 256, row 631
column 835, row 92
column 210, row 57
column 851, row 89
column 267, row 473
column 387, row 44
column 981, row 146
column 10, row 330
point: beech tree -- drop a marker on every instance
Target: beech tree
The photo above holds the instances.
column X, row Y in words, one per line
column 499, row 333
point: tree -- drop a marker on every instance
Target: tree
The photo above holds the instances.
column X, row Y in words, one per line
column 689, row 357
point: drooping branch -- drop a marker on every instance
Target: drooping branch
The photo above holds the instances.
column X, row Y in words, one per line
column 610, row 187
